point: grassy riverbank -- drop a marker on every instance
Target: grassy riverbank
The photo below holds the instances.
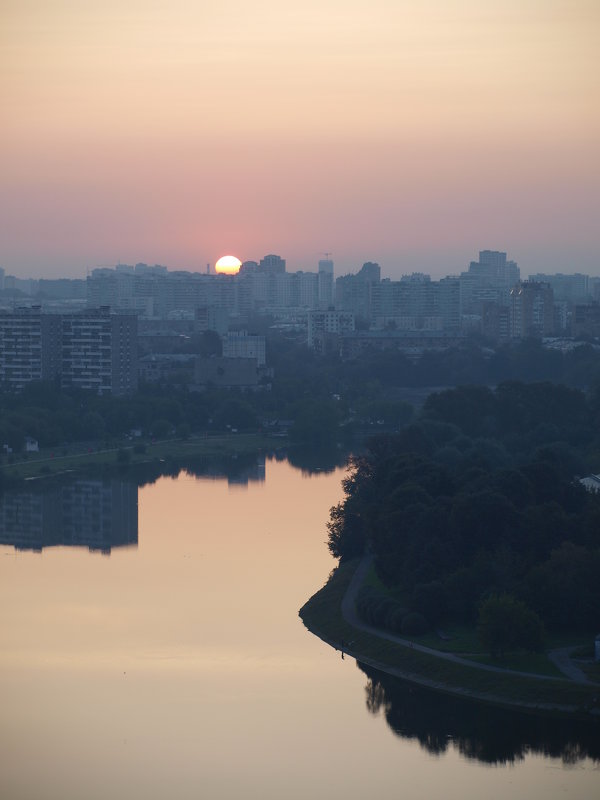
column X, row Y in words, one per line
column 323, row 616
column 76, row 458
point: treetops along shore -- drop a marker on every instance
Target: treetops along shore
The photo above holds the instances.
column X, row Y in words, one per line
column 314, row 400
column 324, row 399
column 475, row 515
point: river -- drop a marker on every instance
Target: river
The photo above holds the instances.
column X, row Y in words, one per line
column 150, row 647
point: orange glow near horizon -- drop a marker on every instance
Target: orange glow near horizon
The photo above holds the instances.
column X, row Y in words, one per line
column 228, row 265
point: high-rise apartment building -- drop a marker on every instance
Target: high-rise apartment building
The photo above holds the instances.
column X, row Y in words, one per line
column 353, row 292
column 272, row 264
column 99, row 351
column 325, row 288
column 416, row 303
column 531, row 310
column 93, row 350
column 30, row 347
column 488, row 280
column 20, row 347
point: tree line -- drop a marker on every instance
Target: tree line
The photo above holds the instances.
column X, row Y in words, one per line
column 473, row 513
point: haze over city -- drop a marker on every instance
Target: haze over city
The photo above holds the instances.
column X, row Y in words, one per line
column 300, row 399
column 411, row 135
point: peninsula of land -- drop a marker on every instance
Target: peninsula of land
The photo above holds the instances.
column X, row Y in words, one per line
column 479, row 548
column 331, row 615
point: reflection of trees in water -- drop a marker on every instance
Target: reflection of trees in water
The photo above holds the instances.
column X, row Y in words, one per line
column 238, row 468
column 235, row 469
column 311, row 459
column 482, row 732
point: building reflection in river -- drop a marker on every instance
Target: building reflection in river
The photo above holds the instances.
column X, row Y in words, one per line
column 238, row 471
column 181, row 668
column 98, row 514
column 95, row 514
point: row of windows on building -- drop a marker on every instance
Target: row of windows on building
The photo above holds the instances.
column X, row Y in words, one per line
column 94, row 349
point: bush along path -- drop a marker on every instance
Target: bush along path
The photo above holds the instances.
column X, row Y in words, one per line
column 331, row 615
column 350, row 615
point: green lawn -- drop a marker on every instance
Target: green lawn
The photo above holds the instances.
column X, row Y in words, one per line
column 538, row 663
column 462, row 640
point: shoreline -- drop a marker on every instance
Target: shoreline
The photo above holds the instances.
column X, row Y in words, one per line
column 81, row 460
column 329, row 614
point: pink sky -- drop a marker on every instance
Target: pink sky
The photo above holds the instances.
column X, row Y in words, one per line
column 413, row 134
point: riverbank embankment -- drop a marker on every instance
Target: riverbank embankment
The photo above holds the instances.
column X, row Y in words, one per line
column 330, row 615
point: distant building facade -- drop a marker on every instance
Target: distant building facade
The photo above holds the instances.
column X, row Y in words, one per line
column 327, row 323
column 30, row 347
column 325, row 281
column 532, row 310
column 353, row 292
column 568, row 288
column 488, row 280
column 586, row 320
column 93, row 350
column 240, row 344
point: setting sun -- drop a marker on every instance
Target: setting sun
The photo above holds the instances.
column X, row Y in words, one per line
column 228, row 265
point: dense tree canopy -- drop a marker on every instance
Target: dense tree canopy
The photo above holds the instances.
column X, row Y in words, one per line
column 473, row 501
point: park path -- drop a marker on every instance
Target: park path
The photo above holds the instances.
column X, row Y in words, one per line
column 561, row 659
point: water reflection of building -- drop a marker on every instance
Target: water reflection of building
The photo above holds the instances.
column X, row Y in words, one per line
column 96, row 514
column 253, row 473
column 239, row 471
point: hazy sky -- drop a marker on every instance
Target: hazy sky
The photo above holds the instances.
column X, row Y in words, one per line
column 410, row 133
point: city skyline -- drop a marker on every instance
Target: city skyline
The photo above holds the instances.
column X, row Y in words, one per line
column 409, row 135
column 211, row 269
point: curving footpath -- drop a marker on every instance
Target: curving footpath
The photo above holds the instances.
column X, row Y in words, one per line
column 350, row 615
column 561, row 658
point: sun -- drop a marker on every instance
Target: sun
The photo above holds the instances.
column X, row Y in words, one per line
column 228, row 265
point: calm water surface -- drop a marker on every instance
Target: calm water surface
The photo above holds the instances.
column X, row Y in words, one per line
column 156, row 650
